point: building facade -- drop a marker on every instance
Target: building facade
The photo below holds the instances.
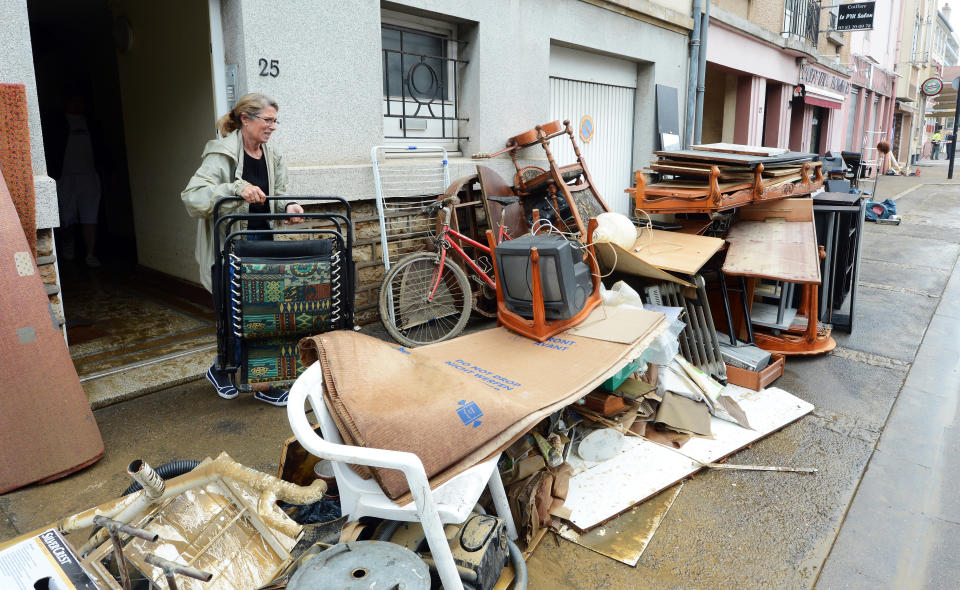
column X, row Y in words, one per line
column 348, row 76
column 874, row 64
column 775, row 75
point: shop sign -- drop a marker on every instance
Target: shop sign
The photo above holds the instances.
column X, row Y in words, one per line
column 817, row 77
column 856, row 16
column 931, row 86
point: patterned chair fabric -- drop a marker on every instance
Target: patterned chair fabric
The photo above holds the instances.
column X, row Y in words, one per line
column 277, row 302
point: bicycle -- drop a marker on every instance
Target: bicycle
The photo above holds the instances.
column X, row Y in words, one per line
column 426, row 297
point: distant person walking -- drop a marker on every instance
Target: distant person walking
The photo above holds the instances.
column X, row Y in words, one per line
column 935, row 140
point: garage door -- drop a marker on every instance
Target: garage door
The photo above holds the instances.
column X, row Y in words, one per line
column 596, row 94
column 604, row 114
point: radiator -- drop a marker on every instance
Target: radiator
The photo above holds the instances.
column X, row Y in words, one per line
column 698, row 341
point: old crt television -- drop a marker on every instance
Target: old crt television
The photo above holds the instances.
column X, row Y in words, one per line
column 564, row 275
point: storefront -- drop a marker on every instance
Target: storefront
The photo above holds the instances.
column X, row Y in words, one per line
column 749, row 90
column 818, row 109
column 870, row 117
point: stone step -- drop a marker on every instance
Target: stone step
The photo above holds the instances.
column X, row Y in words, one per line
column 147, row 376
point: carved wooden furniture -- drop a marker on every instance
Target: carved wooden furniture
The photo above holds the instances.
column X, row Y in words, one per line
column 540, row 328
column 569, row 189
column 709, row 181
column 777, row 241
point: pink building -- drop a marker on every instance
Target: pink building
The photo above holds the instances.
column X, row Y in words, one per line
column 772, row 89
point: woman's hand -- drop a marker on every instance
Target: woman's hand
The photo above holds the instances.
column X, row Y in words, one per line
column 294, row 208
column 253, row 195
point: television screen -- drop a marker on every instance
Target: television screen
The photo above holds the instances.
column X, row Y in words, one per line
column 564, row 276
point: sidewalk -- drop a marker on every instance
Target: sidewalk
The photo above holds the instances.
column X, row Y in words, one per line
column 881, row 511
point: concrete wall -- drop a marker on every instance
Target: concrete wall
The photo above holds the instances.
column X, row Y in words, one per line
column 330, row 82
column 168, row 117
column 713, row 99
column 740, row 8
column 16, row 67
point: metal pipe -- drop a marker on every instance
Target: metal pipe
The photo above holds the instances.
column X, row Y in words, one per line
column 130, row 507
column 692, row 74
column 172, row 568
column 143, row 474
column 701, row 75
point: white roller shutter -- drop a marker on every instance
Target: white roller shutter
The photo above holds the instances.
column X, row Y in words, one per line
column 609, row 155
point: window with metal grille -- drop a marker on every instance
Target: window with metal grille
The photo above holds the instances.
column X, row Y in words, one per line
column 801, row 18
column 421, row 82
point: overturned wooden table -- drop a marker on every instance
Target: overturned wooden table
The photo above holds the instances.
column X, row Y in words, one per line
column 777, row 241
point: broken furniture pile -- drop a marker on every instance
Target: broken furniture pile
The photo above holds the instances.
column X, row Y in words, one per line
column 445, row 465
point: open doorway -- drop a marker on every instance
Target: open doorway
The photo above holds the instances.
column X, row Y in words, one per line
column 125, row 316
column 79, row 95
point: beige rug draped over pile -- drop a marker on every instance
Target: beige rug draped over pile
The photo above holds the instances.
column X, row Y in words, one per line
column 458, row 402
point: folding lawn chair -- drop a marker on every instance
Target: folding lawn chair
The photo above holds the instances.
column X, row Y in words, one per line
column 270, row 294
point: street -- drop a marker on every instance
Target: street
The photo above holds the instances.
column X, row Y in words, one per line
column 879, row 512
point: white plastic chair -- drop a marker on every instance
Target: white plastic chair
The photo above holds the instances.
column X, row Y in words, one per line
column 452, row 502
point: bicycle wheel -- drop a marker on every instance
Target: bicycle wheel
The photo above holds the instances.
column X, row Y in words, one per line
column 406, row 310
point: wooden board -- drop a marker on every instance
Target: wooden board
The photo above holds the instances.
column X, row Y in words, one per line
column 656, row 253
column 793, row 209
column 733, row 148
column 742, row 159
column 779, row 250
column 600, row 491
column 785, row 171
column 724, row 187
column 741, row 175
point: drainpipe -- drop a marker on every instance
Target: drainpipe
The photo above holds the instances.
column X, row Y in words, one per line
column 692, row 78
column 702, row 74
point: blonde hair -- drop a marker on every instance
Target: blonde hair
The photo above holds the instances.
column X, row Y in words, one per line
column 883, row 147
column 250, row 105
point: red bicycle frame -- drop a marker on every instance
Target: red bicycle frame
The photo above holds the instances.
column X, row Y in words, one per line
column 443, row 243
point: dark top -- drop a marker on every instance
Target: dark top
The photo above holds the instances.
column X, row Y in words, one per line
column 255, row 172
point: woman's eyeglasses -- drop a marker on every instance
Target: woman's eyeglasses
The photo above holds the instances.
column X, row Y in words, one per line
column 268, row 121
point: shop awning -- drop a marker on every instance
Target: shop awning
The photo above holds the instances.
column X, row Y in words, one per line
column 822, row 98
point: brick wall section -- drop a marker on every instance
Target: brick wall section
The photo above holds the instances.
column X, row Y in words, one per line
column 47, row 268
column 367, row 252
column 767, row 14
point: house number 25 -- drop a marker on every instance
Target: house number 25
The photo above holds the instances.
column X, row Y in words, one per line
column 271, row 68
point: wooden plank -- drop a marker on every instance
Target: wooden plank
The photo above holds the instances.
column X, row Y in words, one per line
column 793, row 209
column 693, row 184
column 786, row 171
column 779, row 250
column 656, row 253
column 742, row 159
column 734, row 148
column 740, row 175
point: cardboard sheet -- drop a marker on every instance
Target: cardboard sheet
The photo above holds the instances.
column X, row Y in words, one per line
column 600, row 491
column 617, row 324
column 455, row 403
column 656, row 254
column 626, row 537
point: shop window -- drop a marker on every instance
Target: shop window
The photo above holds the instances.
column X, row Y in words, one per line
column 422, row 73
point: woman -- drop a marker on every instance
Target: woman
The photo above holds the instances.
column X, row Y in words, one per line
column 238, row 163
column 888, row 164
